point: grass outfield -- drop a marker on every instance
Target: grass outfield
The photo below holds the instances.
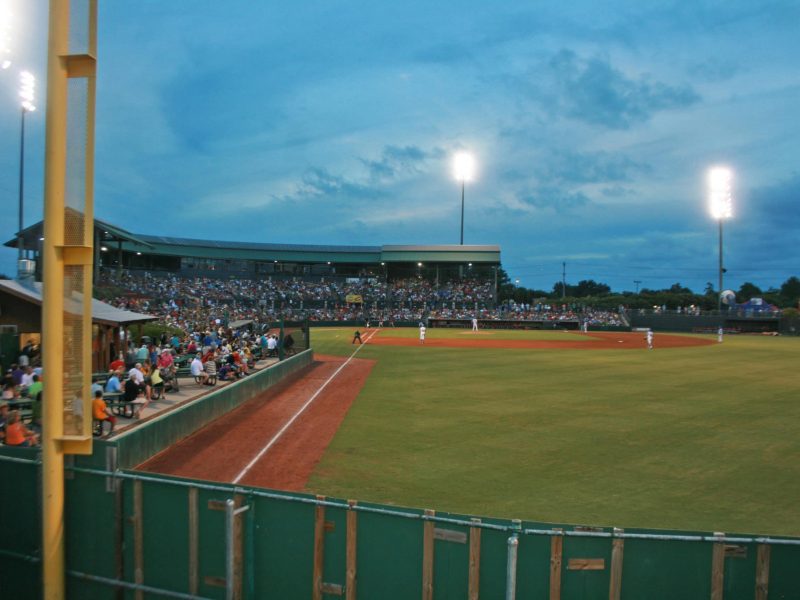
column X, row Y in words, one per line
column 689, row 438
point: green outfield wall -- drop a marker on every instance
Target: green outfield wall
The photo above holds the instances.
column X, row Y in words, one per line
column 171, row 537
column 704, row 323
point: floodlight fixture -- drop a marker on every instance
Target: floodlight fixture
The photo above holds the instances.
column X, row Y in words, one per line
column 721, row 207
column 463, row 170
column 463, row 166
column 27, row 87
column 719, row 192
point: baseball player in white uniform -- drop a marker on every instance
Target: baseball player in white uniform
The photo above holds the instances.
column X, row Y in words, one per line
column 474, row 324
column 719, row 335
column 421, row 333
column 649, row 339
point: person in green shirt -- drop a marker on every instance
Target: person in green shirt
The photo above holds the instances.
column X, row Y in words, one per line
column 36, row 406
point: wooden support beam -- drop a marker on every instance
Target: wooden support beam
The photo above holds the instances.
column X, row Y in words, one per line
column 556, row 554
column 319, row 550
column 717, row 570
column 615, row 584
column 586, row 564
column 762, row 571
column 138, row 539
column 427, row 556
column 474, row 561
column 194, row 541
column 352, row 540
column 238, row 549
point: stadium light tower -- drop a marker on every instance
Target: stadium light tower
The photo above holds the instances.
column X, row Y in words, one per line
column 464, row 170
column 721, row 207
column 27, row 87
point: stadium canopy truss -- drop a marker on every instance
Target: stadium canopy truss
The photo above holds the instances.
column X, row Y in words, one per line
column 118, row 249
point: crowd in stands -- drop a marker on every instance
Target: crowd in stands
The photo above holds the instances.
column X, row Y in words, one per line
column 193, row 304
column 560, row 312
column 22, row 384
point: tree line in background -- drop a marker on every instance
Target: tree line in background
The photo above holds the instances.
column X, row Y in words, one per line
column 599, row 295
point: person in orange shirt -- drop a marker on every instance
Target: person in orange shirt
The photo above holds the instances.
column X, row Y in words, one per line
column 101, row 412
column 16, row 432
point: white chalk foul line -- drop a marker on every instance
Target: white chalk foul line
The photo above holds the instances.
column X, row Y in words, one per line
column 288, row 424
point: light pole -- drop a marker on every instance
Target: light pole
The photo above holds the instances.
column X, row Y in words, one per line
column 463, row 169
column 720, row 205
column 27, row 86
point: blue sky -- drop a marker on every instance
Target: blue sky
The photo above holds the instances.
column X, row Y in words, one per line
column 592, row 124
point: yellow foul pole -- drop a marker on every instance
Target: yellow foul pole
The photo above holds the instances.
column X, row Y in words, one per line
column 67, row 269
column 52, row 305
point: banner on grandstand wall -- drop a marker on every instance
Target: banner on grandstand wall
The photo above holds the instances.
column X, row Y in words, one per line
column 354, row 299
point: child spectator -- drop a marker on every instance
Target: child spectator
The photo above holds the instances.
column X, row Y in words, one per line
column 101, row 412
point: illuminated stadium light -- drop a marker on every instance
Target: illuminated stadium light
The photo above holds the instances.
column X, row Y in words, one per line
column 720, row 205
column 719, row 193
column 463, row 166
column 27, row 87
column 463, row 170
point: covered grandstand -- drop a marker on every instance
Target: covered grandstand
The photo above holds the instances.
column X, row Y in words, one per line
column 118, row 249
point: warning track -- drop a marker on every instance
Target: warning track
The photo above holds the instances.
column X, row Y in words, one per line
column 225, row 449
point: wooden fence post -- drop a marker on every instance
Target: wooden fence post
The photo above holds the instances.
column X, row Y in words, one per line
column 717, row 569
column 474, row 561
column 427, row 556
column 319, row 549
column 352, row 540
column 762, row 571
column 615, row 586
column 556, row 552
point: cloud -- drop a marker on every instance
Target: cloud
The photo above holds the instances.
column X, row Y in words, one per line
column 593, row 91
column 395, row 161
column 764, row 229
column 556, row 198
column 567, row 166
column 317, row 182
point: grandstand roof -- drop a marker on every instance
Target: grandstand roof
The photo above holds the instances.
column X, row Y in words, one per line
column 101, row 312
column 301, row 253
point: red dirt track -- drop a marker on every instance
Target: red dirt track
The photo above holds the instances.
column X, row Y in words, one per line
column 221, row 450
column 600, row 341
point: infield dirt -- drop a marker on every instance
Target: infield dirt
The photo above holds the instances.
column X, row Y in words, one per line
column 600, row 341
